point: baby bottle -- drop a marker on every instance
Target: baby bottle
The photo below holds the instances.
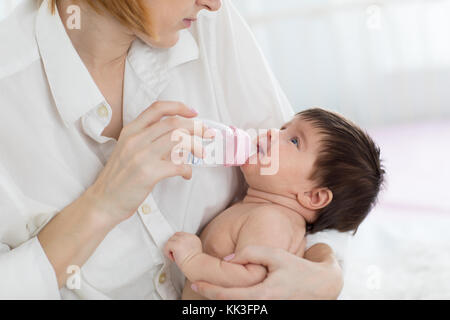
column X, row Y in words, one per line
column 230, row 146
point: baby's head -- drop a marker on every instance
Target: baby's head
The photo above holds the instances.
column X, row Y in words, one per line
column 327, row 163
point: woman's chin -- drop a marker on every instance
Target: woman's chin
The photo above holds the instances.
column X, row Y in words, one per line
column 160, row 42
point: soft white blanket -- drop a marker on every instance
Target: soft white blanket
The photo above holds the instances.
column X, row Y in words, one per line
column 402, row 250
column 400, row 256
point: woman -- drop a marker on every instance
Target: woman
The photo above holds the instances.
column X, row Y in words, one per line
column 86, row 180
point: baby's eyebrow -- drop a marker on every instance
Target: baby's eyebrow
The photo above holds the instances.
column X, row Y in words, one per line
column 302, row 136
column 285, row 125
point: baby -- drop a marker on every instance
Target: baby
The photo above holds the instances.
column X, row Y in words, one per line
column 328, row 177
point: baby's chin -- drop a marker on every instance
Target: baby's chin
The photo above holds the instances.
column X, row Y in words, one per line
column 249, row 169
column 255, row 165
column 252, row 164
column 252, row 175
column 256, row 180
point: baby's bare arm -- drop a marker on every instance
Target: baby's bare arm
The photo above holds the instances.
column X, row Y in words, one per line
column 267, row 227
column 186, row 250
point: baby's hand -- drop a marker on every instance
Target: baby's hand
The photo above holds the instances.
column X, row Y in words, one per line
column 182, row 247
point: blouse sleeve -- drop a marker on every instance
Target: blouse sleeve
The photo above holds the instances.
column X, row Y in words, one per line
column 25, row 271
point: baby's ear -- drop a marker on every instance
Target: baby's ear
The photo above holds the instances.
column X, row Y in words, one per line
column 315, row 199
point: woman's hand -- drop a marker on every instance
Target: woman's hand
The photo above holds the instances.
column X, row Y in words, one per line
column 142, row 158
column 289, row 277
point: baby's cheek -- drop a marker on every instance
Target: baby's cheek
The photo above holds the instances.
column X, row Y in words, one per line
column 250, row 171
column 289, row 172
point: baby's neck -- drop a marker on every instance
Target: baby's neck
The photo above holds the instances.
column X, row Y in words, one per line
column 289, row 203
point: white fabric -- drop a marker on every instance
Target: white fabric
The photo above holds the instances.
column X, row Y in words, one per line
column 6, row 7
column 51, row 150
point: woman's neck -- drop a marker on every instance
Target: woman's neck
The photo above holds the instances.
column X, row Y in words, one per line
column 288, row 202
column 101, row 42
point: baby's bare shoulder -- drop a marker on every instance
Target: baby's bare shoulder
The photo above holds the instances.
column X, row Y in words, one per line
column 278, row 215
column 269, row 225
column 219, row 235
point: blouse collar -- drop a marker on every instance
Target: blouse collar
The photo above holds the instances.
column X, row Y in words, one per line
column 73, row 89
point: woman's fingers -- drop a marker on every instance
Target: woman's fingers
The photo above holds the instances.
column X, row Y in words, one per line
column 266, row 256
column 193, row 127
column 272, row 258
column 138, row 163
column 156, row 112
column 177, row 145
column 174, row 170
column 214, row 292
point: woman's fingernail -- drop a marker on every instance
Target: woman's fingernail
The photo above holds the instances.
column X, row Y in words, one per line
column 194, row 287
column 230, row 257
column 193, row 110
column 210, row 133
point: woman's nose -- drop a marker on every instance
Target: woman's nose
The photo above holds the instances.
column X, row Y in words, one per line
column 211, row 5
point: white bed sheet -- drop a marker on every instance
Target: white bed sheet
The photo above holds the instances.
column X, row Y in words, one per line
column 402, row 250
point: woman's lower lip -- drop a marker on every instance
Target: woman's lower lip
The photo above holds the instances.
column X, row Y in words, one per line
column 187, row 23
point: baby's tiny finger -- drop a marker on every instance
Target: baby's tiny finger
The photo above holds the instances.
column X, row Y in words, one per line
column 170, row 256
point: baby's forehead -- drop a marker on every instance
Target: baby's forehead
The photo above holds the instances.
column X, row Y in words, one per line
column 296, row 121
column 306, row 128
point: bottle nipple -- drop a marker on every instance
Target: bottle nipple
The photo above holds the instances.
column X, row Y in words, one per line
column 239, row 148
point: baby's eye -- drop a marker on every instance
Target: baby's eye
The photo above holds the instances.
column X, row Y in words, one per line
column 294, row 141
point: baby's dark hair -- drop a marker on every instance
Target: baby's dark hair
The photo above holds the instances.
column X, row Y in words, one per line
column 349, row 164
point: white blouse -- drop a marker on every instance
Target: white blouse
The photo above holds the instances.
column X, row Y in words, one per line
column 51, row 148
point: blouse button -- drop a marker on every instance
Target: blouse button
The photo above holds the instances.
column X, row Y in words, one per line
column 146, row 209
column 102, row 111
column 162, row 278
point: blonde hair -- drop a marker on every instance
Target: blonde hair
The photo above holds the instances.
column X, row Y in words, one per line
column 131, row 13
